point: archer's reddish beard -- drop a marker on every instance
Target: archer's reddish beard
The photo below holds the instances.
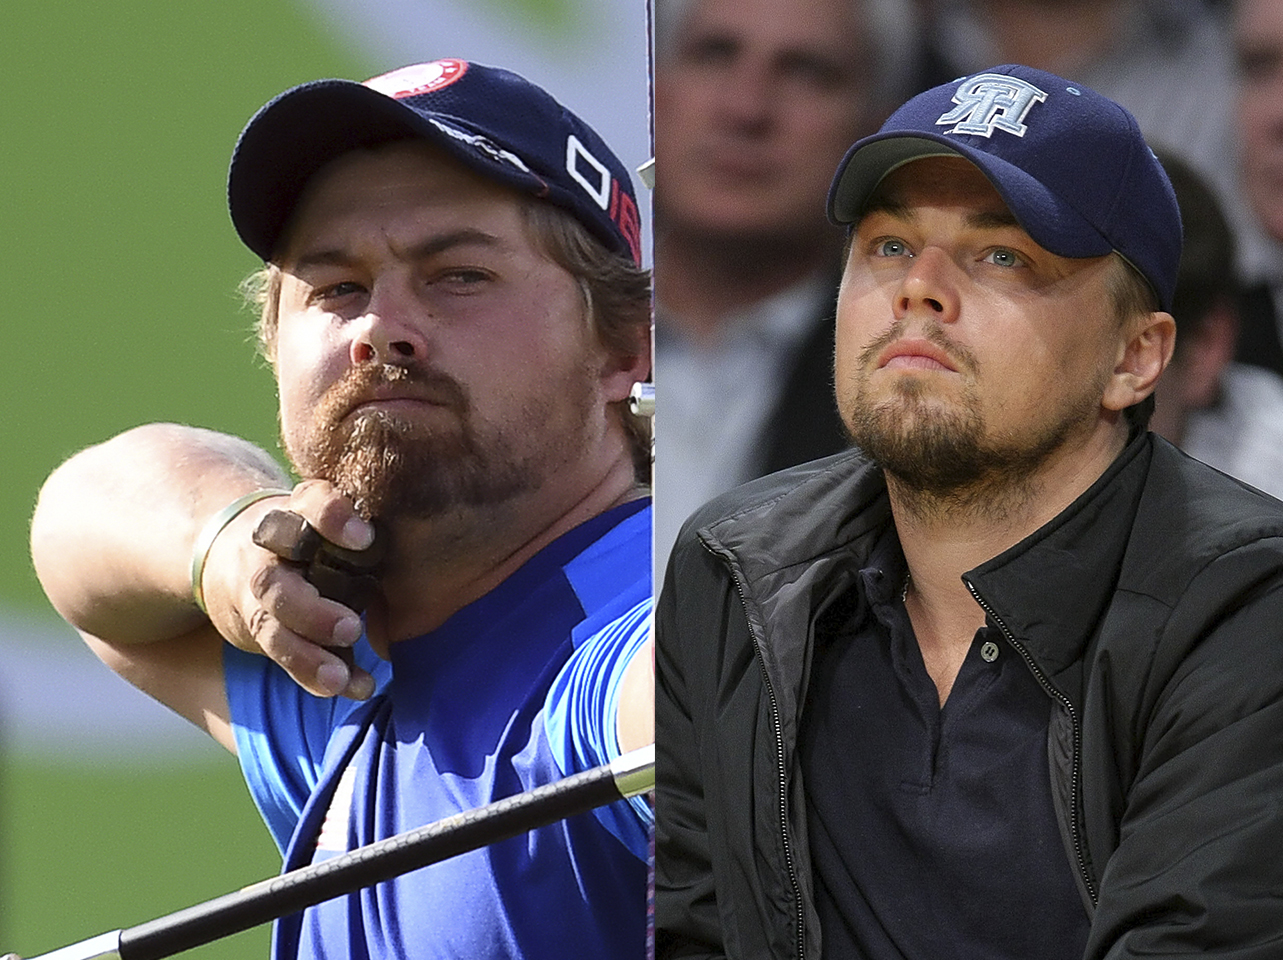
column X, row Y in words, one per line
column 395, row 464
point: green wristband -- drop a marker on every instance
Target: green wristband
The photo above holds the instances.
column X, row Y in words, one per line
column 213, row 527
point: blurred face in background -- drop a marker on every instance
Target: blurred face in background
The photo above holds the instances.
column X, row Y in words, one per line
column 1258, row 42
column 756, row 101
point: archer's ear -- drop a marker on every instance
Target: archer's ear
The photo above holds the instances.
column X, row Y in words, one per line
column 1142, row 359
column 621, row 370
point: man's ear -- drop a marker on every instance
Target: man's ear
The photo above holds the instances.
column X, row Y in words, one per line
column 1141, row 360
column 620, row 371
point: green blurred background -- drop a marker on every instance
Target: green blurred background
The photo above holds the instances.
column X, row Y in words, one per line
column 118, row 119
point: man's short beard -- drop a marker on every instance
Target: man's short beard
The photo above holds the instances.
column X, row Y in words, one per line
column 929, row 449
column 391, row 466
column 940, row 458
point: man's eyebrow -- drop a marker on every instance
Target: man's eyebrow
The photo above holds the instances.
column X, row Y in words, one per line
column 429, row 247
column 463, row 237
column 993, row 220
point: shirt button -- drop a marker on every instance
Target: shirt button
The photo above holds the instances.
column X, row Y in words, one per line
column 989, row 652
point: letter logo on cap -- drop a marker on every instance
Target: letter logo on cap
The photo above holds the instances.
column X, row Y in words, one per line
column 991, row 102
column 577, row 152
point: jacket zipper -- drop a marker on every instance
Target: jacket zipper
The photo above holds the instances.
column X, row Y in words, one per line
column 1075, row 772
column 778, row 728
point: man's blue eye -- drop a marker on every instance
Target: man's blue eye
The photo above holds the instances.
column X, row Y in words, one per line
column 1003, row 257
column 893, row 248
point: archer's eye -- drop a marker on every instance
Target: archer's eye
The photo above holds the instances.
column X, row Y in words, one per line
column 891, row 247
column 461, row 281
column 466, row 276
column 336, row 291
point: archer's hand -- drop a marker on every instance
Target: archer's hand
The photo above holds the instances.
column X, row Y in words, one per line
column 265, row 604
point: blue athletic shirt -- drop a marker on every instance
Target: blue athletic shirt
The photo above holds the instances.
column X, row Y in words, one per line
column 517, row 689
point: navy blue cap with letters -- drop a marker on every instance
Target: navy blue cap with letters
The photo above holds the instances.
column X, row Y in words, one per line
column 494, row 121
column 1071, row 165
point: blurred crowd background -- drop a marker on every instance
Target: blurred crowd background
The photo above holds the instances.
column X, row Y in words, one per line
column 123, row 307
column 757, row 100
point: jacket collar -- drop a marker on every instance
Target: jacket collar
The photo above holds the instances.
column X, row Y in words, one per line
column 1076, row 556
column 800, row 537
column 793, row 542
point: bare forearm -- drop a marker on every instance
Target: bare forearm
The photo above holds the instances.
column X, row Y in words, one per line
column 113, row 529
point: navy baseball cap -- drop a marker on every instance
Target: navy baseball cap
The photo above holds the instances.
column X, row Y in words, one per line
column 494, row 121
column 1070, row 164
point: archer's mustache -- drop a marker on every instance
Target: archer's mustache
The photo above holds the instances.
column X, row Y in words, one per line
column 388, row 381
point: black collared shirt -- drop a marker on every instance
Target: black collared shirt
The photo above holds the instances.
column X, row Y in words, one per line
column 932, row 829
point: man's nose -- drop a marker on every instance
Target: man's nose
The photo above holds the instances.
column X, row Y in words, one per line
column 388, row 333
column 929, row 285
column 747, row 99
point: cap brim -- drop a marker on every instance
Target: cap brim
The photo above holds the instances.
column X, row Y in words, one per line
column 291, row 138
column 1049, row 220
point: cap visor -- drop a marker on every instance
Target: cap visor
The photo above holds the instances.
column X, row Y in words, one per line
column 291, row 138
column 1050, row 221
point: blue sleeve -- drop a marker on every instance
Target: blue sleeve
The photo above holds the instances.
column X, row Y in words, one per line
column 580, row 712
column 282, row 733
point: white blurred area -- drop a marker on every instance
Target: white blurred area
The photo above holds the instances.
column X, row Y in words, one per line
column 58, row 702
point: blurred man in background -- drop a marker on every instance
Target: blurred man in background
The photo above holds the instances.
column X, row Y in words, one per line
column 1258, row 48
column 1167, row 61
column 1225, row 413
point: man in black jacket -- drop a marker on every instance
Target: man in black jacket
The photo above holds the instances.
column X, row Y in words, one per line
column 1010, row 682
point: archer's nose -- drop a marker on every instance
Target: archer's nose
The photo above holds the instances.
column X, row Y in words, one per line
column 388, row 333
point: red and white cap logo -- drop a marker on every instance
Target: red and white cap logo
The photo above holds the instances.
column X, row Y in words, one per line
column 419, row 78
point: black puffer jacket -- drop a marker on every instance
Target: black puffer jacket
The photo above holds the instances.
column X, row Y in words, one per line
column 1151, row 610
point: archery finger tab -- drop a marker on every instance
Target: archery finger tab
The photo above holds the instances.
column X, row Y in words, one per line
column 286, row 534
column 347, row 576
